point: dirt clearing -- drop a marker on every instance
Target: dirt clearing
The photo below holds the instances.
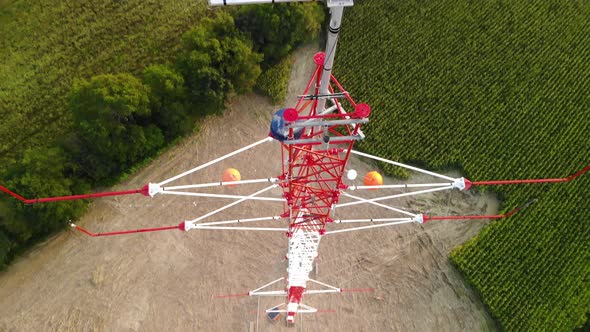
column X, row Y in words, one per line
column 165, row 281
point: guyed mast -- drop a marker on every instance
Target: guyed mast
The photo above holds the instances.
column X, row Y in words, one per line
column 316, row 138
column 316, row 143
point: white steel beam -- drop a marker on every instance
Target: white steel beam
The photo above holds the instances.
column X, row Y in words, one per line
column 419, row 192
column 207, row 164
column 250, row 2
column 402, row 165
column 221, row 183
column 344, row 221
column 238, row 221
column 401, row 186
column 270, row 293
column 368, row 227
column 230, row 228
column 263, row 287
column 379, row 204
column 324, row 284
column 188, row 223
column 183, row 193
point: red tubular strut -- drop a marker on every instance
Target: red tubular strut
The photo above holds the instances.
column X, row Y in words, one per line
column 143, row 191
column 13, row 194
column 500, row 182
column 142, row 230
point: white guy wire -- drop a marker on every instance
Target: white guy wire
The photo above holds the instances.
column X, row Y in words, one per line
column 182, row 193
column 323, row 284
column 340, row 221
column 229, row 228
column 231, row 204
column 270, row 293
column 401, row 186
column 395, row 196
column 321, row 291
column 367, row 227
column 270, row 283
column 237, row 221
column 221, row 183
column 379, row 204
column 267, row 139
column 402, row 165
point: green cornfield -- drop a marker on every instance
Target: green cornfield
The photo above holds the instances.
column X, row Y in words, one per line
column 46, row 45
column 498, row 90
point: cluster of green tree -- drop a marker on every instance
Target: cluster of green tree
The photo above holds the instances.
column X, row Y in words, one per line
column 498, row 90
column 119, row 120
column 267, row 27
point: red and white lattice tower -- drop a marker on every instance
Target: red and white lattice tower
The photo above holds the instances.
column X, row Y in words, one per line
column 316, row 144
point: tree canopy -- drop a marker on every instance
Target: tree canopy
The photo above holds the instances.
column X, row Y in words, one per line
column 111, row 114
column 216, row 59
column 277, row 29
column 167, row 100
column 42, row 172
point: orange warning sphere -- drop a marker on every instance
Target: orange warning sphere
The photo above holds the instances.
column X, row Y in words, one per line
column 230, row 175
column 373, row 179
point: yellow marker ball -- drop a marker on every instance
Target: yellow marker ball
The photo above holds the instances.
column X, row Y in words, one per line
column 373, row 179
column 230, row 175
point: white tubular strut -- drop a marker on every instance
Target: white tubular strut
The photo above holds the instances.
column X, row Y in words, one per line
column 403, row 165
column 345, row 221
column 218, row 225
column 183, row 193
column 371, row 226
column 363, row 200
column 249, row 2
column 330, row 288
column 304, row 309
column 402, row 186
column 267, row 139
column 257, row 290
column 237, row 221
column 272, row 229
column 270, row 293
column 189, row 224
column 419, row 192
column 221, row 183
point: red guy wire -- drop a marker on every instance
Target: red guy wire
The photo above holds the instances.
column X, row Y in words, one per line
column 143, row 191
column 493, row 216
column 553, row 180
column 142, row 230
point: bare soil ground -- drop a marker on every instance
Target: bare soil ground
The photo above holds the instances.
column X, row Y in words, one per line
column 165, row 281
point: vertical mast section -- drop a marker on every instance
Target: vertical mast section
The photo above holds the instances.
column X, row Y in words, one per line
column 317, row 143
column 330, row 53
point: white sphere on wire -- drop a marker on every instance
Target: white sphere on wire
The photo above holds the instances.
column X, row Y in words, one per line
column 351, row 174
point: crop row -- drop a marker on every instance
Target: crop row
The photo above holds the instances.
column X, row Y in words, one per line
column 498, row 90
